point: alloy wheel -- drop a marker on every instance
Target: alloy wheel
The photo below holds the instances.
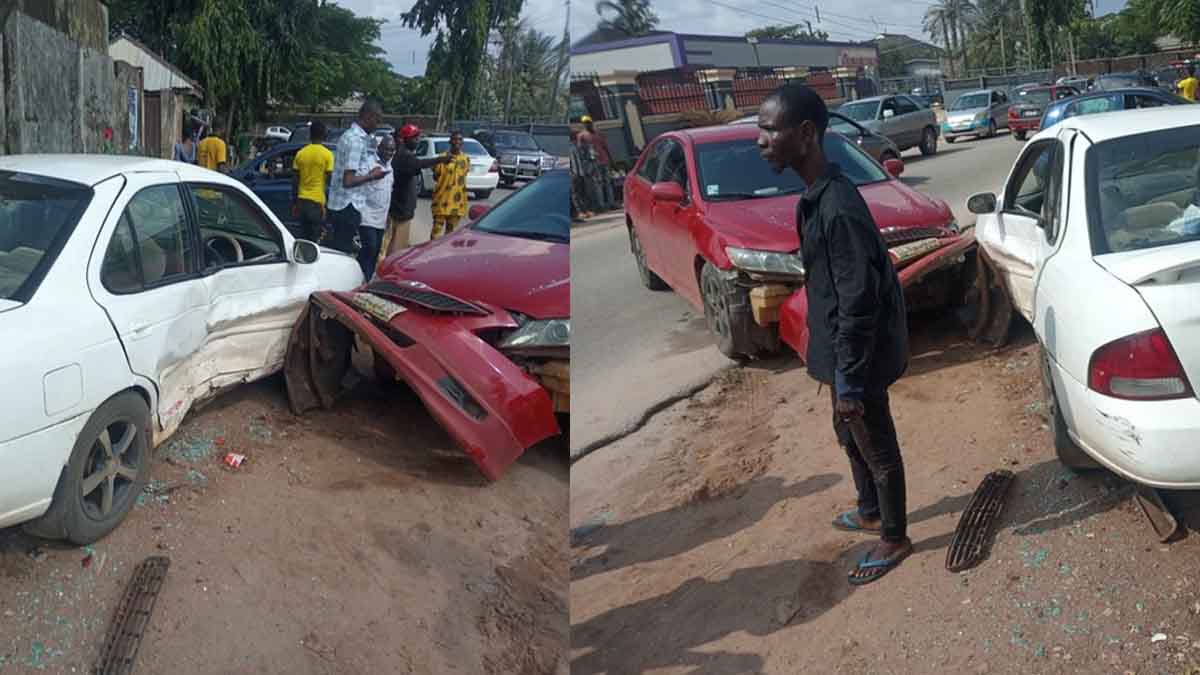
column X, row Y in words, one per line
column 111, row 470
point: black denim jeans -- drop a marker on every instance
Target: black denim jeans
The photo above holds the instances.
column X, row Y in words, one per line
column 368, row 255
column 879, row 470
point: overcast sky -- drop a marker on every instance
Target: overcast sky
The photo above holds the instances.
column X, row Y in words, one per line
column 407, row 50
column 860, row 20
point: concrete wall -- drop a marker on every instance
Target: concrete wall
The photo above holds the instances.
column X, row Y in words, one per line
column 642, row 58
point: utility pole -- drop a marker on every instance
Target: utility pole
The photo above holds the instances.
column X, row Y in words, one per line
column 509, row 43
column 1071, row 47
column 1003, row 56
column 1028, row 33
column 562, row 57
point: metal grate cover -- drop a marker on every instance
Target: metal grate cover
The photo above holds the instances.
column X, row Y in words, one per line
column 974, row 530
column 895, row 237
column 128, row 626
column 425, row 297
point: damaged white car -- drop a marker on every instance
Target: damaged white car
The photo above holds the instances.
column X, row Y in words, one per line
column 130, row 289
column 1096, row 240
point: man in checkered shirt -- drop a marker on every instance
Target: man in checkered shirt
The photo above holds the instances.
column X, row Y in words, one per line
column 353, row 167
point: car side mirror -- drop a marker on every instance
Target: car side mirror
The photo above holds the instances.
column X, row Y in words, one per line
column 888, row 114
column 477, row 210
column 667, row 192
column 984, row 202
column 894, row 166
column 305, row 252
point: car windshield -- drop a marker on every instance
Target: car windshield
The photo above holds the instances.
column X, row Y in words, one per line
column 516, row 142
column 734, row 170
column 860, row 112
column 968, row 101
column 840, row 125
column 537, row 211
column 1144, row 190
column 1033, row 96
column 37, row 214
column 470, row 146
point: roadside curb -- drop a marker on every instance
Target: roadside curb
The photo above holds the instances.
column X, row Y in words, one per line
column 646, row 415
column 598, row 221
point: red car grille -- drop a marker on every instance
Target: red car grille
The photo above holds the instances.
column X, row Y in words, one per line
column 903, row 236
column 425, row 297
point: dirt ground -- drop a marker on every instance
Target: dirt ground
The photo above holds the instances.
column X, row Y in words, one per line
column 702, row 543
column 356, row 540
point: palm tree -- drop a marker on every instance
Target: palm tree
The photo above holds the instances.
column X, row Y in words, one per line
column 632, row 17
column 938, row 19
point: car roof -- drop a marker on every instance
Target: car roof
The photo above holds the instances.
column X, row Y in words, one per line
column 976, row 91
column 1121, row 123
column 92, row 169
column 717, row 134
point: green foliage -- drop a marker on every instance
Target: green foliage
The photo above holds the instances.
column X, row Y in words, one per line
column 1180, row 18
column 529, row 77
column 790, row 32
column 631, row 17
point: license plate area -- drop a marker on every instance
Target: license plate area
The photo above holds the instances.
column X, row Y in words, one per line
column 381, row 308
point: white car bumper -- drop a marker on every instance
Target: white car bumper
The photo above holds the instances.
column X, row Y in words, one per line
column 1155, row 443
column 485, row 181
column 38, row 459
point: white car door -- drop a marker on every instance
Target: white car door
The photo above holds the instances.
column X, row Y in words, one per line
column 149, row 283
column 425, row 151
column 1013, row 235
column 255, row 294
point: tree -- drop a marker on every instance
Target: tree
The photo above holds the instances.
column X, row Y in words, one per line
column 1180, row 18
column 631, row 17
column 790, row 32
column 459, row 50
column 938, row 19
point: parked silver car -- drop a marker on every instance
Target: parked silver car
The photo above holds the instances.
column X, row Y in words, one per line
column 900, row 118
column 976, row 113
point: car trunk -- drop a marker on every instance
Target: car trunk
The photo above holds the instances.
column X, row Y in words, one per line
column 1168, row 279
column 1025, row 111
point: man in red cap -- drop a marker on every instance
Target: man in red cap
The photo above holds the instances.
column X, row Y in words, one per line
column 406, row 166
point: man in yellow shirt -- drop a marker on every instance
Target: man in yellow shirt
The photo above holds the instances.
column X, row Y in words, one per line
column 313, row 165
column 450, row 188
column 212, row 153
column 1187, row 86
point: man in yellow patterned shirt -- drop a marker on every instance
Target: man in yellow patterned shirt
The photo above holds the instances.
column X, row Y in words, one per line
column 450, row 188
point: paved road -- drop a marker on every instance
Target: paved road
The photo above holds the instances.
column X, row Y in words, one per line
column 634, row 350
column 423, row 219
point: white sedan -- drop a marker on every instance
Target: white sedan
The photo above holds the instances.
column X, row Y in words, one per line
column 485, row 170
column 282, row 133
column 130, row 289
column 1097, row 236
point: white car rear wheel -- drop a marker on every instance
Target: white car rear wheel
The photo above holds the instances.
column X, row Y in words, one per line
column 1070, row 454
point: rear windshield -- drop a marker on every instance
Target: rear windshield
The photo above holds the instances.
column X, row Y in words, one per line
column 860, row 112
column 1142, row 190
column 1034, row 96
column 516, row 141
column 470, row 146
column 734, row 170
column 970, row 101
column 37, row 215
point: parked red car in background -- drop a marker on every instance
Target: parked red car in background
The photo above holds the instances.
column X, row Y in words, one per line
column 1028, row 104
column 709, row 218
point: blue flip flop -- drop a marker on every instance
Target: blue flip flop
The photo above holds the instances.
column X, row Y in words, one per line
column 885, row 565
column 847, row 523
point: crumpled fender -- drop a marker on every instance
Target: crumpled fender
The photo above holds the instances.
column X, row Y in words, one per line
column 793, row 315
column 508, row 410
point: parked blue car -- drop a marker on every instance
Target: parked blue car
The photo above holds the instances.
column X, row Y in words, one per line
column 1109, row 101
column 270, row 177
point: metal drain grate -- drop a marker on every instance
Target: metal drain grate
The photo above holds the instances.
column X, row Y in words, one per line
column 133, row 614
column 974, row 530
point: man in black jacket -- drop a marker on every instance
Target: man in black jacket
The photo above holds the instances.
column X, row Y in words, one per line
column 858, row 337
column 407, row 166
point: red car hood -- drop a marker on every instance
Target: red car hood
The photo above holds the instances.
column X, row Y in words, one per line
column 524, row 275
column 770, row 224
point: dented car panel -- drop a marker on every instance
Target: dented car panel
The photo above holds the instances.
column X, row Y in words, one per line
column 950, row 255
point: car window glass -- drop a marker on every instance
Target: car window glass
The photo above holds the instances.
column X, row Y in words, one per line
column 1093, row 106
column 422, row 148
column 905, row 106
column 36, row 214
column 1144, row 101
column 649, row 169
column 151, row 245
column 673, row 167
column 888, row 104
column 1060, row 94
column 525, row 213
column 278, row 166
column 232, row 229
column 735, row 170
column 1027, row 189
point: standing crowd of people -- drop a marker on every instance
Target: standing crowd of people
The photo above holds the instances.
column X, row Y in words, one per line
column 591, row 173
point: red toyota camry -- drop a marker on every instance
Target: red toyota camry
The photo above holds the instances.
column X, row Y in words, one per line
column 708, row 218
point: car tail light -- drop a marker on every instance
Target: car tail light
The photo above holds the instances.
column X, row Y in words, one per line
column 495, row 167
column 1141, row 367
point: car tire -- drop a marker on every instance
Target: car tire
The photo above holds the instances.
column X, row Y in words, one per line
column 929, row 142
column 483, row 194
column 121, row 467
column 1018, row 136
column 507, row 182
column 1069, row 454
column 991, row 132
column 727, row 310
column 649, row 278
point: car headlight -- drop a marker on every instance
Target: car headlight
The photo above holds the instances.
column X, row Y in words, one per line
column 548, row 333
column 766, row 262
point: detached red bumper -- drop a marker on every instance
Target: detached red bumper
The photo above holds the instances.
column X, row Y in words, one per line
column 793, row 316
column 486, row 402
